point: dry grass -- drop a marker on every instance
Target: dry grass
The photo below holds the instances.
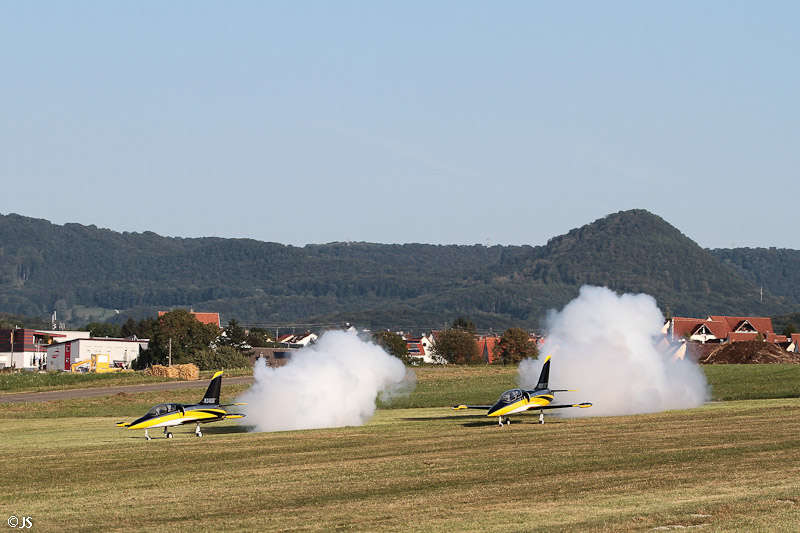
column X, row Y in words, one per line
column 727, row 467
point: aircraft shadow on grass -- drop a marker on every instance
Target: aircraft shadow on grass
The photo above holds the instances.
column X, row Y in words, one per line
column 467, row 421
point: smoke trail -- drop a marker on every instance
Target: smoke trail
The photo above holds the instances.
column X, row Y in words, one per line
column 606, row 345
column 332, row 383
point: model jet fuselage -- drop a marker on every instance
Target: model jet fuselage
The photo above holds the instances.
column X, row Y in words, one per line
column 167, row 415
column 515, row 401
column 518, row 400
column 175, row 414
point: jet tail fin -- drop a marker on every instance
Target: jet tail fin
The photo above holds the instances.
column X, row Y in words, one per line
column 544, row 377
column 212, row 394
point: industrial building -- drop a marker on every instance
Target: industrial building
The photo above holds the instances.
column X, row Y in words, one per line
column 119, row 352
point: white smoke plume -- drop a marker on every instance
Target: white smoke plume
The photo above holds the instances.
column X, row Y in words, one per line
column 333, row 383
column 606, row 345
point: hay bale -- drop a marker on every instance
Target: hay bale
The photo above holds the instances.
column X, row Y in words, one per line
column 188, row 372
column 161, row 371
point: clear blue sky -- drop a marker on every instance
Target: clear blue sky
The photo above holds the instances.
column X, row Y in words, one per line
column 392, row 122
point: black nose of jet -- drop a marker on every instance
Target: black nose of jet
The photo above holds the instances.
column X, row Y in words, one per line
column 496, row 407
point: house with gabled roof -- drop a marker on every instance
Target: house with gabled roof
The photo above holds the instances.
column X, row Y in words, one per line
column 721, row 329
column 746, row 324
column 297, row 340
column 420, row 348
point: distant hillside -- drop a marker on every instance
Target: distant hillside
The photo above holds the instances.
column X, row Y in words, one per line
column 636, row 251
column 775, row 269
column 86, row 273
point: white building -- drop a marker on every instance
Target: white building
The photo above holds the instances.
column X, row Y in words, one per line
column 25, row 349
column 120, row 352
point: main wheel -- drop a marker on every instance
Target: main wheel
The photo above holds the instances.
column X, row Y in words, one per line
column 169, row 435
column 199, row 433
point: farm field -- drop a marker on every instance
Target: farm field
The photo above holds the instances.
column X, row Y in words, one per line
column 727, row 466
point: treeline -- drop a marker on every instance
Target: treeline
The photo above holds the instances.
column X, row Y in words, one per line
column 89, row 274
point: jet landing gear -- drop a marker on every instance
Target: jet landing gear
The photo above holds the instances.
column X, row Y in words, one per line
column 541, row 417
column 505, row 421
column 197, row 431
column 166, row 434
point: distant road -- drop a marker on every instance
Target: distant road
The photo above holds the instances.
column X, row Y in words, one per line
column 71, row 394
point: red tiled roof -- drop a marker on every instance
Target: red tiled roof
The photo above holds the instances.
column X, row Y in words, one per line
column 741, row 336
column 208, row 318
column 205, row 318
column 717, row 328
column 774, row 338
column 682, row 326
column 761, row 324
column 731, row 327
column 486, row 346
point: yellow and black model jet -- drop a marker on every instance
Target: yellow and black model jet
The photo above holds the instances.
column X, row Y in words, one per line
column 167, row 415
column 516, row 401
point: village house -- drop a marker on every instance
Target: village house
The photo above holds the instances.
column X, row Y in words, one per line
column 717, row 329
column 420, row 348
column 297, row 340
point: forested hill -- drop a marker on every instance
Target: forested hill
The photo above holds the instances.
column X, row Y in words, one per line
column 86, row 273
column 636, row 251
column 775, row 269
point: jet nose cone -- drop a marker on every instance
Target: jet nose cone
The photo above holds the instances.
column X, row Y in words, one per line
column 496, row 407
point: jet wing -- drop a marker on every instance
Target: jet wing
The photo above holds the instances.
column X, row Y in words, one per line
column 581, row 405
column 460, row 407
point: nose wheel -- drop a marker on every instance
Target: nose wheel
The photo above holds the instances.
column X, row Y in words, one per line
column 197, row 431
column 502, row 421
column 541, row 417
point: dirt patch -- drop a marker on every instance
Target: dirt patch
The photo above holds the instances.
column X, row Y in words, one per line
column 744, row 352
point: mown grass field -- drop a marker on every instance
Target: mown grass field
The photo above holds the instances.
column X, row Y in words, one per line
column 728, row 466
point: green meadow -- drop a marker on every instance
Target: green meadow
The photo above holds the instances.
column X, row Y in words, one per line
column 731, row 465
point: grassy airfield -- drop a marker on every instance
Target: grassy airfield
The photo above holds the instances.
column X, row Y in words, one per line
column 731, row 465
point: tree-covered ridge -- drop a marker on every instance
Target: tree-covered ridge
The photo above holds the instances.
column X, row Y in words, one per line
column 83, row 269
column 775, row 269
column 636, row 251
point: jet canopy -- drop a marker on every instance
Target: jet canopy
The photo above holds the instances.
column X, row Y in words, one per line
column 511, row 396
column 162, row 409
